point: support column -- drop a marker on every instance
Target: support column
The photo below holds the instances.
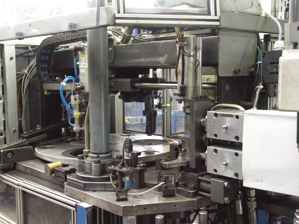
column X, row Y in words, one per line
column 98, row 90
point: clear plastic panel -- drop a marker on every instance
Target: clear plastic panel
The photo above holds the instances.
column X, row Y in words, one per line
column 8, row 201
column 19, row 11
column 27, row 18
column 38, row 210
column 135, row 121
column 167, row 6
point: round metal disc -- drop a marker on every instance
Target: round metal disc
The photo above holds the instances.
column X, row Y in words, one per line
column 151, row 148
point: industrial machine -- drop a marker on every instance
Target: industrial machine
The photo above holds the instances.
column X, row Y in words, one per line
column 162, row 111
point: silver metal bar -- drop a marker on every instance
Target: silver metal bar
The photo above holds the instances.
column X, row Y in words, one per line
column 10, row 94
column 166, row 17
column 293, row 13
column 39, row 189
column 19, row 205
column 212, row 7
column 55, row 201
column 98, row 89
column 56, row 86
column 158, row 23
column 5, row 220
column 156, row 85
column 167, row 118
column 168, row 86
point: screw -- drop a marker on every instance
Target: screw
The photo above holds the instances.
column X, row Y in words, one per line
column 225, row 126
column 9, row 155
column 225, row 163
column 110, row 49
column 14, row 130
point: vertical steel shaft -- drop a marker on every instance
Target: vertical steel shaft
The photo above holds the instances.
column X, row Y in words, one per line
column 294, row 11
column 159, row 219
column 98, row 90
column 203, row 217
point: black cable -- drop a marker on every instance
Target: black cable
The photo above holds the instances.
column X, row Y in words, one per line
column 117, row 32
column 194, row 216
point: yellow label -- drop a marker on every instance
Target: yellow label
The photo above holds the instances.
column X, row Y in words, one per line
column 83, row 55
column 84, row 75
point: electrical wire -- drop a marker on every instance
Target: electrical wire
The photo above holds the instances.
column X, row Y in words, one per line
column 194, row 216
column 179, row 53
column 70, row 120
column 226, row 105
column 144, row 192
column 26, row 52
column 278, row 24
column 260, row 62
column 29, row 73
column 160, row 115
column 112, row 181
column 121, row 162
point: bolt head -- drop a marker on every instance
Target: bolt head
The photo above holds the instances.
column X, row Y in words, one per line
column 226, row 200
column 9, row 155
column 250, row 193
column 226, row 184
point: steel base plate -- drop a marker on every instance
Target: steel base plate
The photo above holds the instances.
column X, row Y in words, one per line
column 151, row 148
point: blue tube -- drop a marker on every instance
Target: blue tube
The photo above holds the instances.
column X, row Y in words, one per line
column 68, row 109
column 164, row 112
column 26, row 52
column 75, row 68
column 63, row 108
column 70, row 120
column 66, row 95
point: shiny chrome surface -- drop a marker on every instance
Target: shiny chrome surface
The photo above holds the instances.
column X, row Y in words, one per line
column 151, row 148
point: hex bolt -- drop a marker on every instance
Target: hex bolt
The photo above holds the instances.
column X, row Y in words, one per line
column 14, row 130
column 226, row 200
